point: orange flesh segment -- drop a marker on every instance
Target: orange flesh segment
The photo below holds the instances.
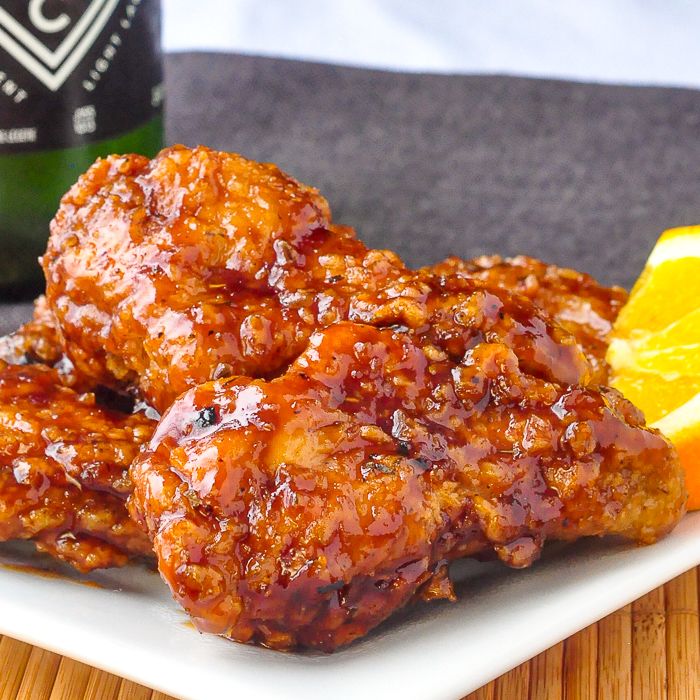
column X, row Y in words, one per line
column 653, row 394
column 655, row 347
column 661, row 296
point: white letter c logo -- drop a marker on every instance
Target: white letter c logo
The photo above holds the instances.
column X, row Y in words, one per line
column 43, row 23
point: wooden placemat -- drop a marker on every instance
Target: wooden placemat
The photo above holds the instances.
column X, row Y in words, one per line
column 649, row 650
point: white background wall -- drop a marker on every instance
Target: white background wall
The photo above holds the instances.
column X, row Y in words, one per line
column 627, row 41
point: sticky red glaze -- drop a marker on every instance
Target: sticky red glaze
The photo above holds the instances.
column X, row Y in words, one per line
column 575, row 300
column 64, row 470
column 199, row 265
column 39, row 342
column 304, row 510
column 435, row 416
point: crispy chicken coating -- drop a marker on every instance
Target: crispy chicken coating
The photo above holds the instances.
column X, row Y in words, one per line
column 200, row 264
column 303, row 510
column 39, row 342
column 446, row 418
column 64, row 464
column 575, row 300
column 197, row 265
column 36, row 342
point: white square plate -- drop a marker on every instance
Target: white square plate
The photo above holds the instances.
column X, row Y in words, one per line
column 128, row 625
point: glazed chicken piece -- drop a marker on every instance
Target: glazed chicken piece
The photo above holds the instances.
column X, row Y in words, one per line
column 36, row 342
column 64, row 464
column 575, row 300
column 303, row 510
column 64, row 458
column 197, row 265
column 39, row 342
column 200, row 265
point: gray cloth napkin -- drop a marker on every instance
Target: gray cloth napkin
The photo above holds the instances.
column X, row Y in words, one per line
column 580, row 175
column 13, row 315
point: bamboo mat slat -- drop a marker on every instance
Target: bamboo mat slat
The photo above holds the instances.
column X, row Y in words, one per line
column 39, row 676
column 102, row 686
column 547, row 674
column 683, row 637
column 580, row 665
column 14, row 657
column 513, row 684
column 649, row 650
column 71, row 680
column 649, row 646
column 615, row 655
column 133, row 691
column 486, row 693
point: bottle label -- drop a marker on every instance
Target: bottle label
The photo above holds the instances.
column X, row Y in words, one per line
column 77, row 71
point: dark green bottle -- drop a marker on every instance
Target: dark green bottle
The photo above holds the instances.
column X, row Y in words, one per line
column 78, row 79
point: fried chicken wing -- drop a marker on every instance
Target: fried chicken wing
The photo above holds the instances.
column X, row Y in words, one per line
column 575, row 300
column 200, row 264
column 431, row 415
column 64, row 464
column 38, row 342
column 196, row 265
column 305, row 509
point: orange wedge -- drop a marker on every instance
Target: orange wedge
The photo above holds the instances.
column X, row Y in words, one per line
column 654, row 351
